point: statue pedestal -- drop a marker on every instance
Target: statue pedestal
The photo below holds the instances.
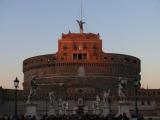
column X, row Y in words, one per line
column 85, row 109
column 31, row 110
column 97, row 111
column 75, row 110
column 105, row 110
column 51, row 110
column 60, row 111
column 124, row 108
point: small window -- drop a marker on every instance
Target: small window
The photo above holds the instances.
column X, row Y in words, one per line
column 65, row 47
column 79, row 56
column 84, row 46
column 95, row 46
column 127, row 60
column 74, row 56
column 105, row 58
column 75, row 46
column 80, row 91
column 135, row 61
column 84, row 56
column 148, row 102
column 64, row 54
column 95, row 54
column 25, row 63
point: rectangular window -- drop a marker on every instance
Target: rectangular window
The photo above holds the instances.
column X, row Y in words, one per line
column 85, row 56
column 74, row 56
column 79, row 56
column 64, row 46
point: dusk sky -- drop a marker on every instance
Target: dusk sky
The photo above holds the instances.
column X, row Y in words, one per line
column 32, row 27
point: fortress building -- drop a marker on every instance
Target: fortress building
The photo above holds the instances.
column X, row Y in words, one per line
column 80, row 51
column 79, row 74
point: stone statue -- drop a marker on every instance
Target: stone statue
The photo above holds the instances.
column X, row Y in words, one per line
column 80, row 23
column 97, row 101
column 51, row 98
column 65, row 105
column 33, row 88
column 121, row 86
column 106, row 96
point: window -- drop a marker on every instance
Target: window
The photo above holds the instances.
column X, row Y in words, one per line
column 134, row 61
column 84, row 56
column 105, row 58
column 127, row 60
column 94, row 46
column 75, row 46
column 84, row 46
column 74, row 56
column 64, row 54
column 95, row 53
column 148, row 102
column 79, row 56
column 65, row 47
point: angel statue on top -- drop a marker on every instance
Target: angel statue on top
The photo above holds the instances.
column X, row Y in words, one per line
column 33, row 89
column 122, row 84
column 80, row 23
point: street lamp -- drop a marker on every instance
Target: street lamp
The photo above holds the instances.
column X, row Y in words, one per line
column 109, row 102
column 136, row 85
column 46, row 106
column 16, row 83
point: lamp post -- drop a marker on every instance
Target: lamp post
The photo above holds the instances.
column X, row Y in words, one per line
column 16, row 83
column 136, row 85
column 59, row 98
column 109, row 103
column 46, row 110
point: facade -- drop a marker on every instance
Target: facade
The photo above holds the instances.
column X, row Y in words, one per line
column 79, row 74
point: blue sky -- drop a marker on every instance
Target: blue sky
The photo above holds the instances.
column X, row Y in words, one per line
column 32, row 27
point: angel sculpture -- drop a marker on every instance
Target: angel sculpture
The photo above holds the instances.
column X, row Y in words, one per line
column 121, row 86
column 51, row 97
column 106, row 96
column 80, row 23
column 33, row 89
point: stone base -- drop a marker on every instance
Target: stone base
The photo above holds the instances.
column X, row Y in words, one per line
column 97, row 112
column 51, row 110
column 85, row 109
column 31, row 110
column 75, row 110
column 105, row 111
column 124, row 108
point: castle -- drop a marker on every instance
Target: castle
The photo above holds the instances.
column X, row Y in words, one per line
column 79, row 74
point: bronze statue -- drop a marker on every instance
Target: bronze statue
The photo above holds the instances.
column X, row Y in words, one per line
column 80, row 23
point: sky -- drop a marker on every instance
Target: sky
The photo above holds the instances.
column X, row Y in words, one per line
column 32, row 27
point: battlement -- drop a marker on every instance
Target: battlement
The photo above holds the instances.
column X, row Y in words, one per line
column 84, row 36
